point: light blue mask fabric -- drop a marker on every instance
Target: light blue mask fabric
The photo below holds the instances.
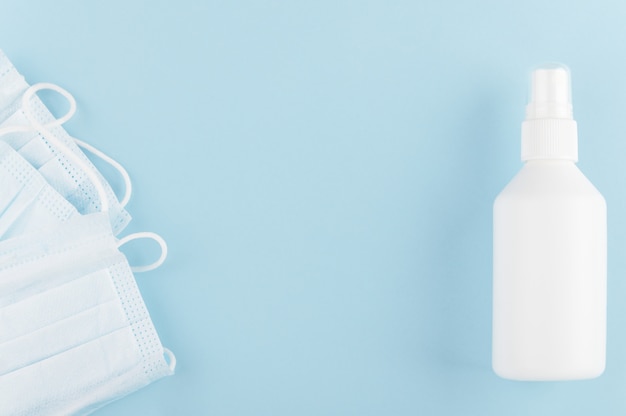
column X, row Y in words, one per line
column 75, row 333
column 41, row 149
column 27, row 202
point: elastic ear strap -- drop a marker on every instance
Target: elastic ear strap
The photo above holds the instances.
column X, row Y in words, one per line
column 56, row 122
column 171, row 357
column 150, row 236
column 128, row 186
column 91, row 174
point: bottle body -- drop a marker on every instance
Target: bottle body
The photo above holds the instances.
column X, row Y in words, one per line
column 549, row 275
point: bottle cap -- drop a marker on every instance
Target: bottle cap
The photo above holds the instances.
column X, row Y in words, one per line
column 549, row 131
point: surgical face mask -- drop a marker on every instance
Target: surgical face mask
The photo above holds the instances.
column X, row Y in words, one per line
column 75, row 333
column 28, row 127
column 27, row 202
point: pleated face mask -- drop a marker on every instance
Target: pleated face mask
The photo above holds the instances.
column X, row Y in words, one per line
column 74, row 331
column 27, row 202
column 29, row 128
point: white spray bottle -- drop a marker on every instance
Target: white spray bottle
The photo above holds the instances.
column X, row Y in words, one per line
column 549, row 250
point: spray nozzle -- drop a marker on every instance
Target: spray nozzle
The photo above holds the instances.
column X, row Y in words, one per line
column 550, row 93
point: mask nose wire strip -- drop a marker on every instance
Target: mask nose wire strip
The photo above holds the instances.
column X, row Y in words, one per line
column 171, row 357
column 128, row 186
column 150, row 236
column 104, row 203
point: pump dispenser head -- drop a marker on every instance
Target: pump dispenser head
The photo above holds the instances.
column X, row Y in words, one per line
column 550, row 93
column 550, row 131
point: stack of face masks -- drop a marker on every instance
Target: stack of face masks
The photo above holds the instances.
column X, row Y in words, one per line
column 75, row 333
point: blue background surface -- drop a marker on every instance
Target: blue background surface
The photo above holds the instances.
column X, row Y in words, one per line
column 324, row 174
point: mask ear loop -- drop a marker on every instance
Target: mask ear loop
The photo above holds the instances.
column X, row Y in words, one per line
column 128, row 186
column 171, row 358
column 56, row 122
column 150, row 236
column 104, row 203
